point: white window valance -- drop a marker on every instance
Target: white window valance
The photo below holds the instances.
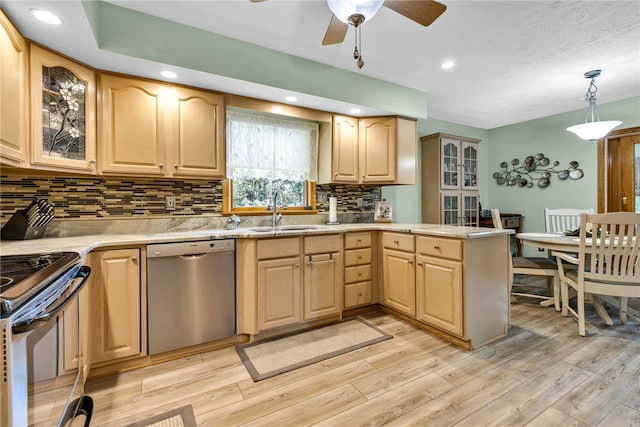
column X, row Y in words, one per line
column 271, row 147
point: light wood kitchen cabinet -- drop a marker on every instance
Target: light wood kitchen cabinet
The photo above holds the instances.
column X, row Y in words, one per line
column 70, row 335
column 14, row 99
column 63, row 114
column 439, row 283
column 450, row 180
column 116, row 304
column 323, row 293
column 399, row 272
column 278, row 292
column 154, row 129
column 358, row 289
column 371, row 150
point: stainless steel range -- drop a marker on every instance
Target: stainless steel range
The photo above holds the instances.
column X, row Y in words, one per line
column 34, row 289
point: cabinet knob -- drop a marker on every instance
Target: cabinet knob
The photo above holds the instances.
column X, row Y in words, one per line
column 359, row 240
column 297, row 265
column 161, row 166
column 134, row 258
column 335, row 175
column 92, row 161
column 436, row 247
column 359, row 293
column 419, row 262
column 176, row 166
column 410, row 261
column 396, row 242
column 359, row 256
column 359, row 273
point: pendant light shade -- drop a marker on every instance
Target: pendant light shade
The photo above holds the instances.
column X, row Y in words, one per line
column 593, row 129
column 345, row 8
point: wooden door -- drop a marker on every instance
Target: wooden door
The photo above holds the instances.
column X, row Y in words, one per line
column 377, row 142
column 322, row 285
column 344, row 163
column 197, row 144
column 399, row 285
column 279, row 302
column 132, row 133
column 116, row 304
column 14, row 99
column 619, row 171
column 439, row 293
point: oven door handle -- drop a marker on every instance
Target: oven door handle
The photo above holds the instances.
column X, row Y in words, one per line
column 75, row 287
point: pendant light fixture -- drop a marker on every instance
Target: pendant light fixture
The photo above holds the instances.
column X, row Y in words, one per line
column 355, row 12
column 593, row 129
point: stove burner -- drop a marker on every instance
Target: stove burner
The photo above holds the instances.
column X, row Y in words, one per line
column 5, row 281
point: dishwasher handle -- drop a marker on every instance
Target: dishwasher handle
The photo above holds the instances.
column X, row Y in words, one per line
column 193, row 256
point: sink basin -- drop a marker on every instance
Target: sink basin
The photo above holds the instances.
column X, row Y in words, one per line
column 284, row 228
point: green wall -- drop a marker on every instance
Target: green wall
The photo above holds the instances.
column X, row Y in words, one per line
column 546, row 135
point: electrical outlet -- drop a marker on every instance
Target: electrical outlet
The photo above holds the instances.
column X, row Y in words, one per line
column 322, row 197
column 359, row 202
column 170, row 203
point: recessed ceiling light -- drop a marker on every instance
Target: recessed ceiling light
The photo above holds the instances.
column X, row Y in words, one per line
column 447, row 64
column 46, row 16
column 291, row 99
column 355, row 111
column 169, row 74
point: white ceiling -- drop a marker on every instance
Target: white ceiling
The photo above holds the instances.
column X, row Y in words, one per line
column 515, row 60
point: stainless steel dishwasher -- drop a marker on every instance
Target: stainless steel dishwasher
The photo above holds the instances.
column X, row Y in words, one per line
column 190, row 293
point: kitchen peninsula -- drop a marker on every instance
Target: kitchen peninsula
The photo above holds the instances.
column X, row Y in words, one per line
column 451, row 281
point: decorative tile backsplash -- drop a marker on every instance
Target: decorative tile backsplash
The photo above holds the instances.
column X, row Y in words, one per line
column 116, row 198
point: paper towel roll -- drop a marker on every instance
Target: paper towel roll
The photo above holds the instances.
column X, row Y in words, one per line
column 333, row 206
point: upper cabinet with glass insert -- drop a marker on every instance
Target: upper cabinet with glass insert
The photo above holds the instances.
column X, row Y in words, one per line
column 63, row 113
column 459, row 163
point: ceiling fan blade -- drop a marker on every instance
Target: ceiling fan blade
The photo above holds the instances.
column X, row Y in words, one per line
column 423, row 12
column 336, row 31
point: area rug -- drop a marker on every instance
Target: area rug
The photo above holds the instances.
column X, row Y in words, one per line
column 270, row 358
column 181, row 417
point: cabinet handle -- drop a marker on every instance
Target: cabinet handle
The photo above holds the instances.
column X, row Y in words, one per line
column 359, row 293
column 329, row 261
column 396, row 242
column 359, row 240
column 436, row 247
column 92, row 161
column 359, row 273
column 335, row 175
column 176, row 166
column 419, row 262
column 410, row 261
column 134, row 258
column 161, row 166
column 359, row 256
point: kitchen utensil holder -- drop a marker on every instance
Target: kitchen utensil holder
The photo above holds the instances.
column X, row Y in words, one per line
column 17, row 229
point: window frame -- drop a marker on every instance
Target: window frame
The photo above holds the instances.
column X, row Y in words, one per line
column 229, row 209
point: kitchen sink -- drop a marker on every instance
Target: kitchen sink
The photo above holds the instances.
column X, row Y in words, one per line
column 284, row 228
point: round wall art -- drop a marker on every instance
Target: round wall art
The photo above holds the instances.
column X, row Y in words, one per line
column 534, row 170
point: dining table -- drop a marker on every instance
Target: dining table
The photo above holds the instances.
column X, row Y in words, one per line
column 571, row 244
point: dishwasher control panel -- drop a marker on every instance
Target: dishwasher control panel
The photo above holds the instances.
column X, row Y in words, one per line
column 160, row 250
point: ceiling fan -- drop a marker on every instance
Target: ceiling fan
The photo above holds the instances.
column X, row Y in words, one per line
column 355, row 12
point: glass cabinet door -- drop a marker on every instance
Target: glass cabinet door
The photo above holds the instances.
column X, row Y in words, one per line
column 450, row 158
column 470, row 213
column 450, row 208
column 469, row 166
column 63, row 113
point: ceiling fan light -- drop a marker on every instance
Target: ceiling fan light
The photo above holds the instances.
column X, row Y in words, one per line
column 593, row 131
column 343, row 9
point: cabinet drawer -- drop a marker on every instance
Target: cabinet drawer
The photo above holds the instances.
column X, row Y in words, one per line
column 357, row 256
column 440, row 247
column 357, row 240
column 357, row 294
column 398, row 241
column 321, row 244
column 278, row 248
column 357, row 274
column 510, row 222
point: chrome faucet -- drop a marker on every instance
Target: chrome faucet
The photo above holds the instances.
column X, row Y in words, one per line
column 274, row 202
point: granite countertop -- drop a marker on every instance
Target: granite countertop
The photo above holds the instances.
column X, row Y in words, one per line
column 85, row 244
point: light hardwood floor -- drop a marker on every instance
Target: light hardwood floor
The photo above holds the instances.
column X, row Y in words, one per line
column 542, row 374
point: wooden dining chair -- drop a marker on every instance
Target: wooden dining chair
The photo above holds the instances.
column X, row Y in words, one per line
column 563, row 219
column 533, row 266
column 608, row 263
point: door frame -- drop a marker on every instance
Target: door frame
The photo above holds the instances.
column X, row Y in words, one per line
column 603, row 166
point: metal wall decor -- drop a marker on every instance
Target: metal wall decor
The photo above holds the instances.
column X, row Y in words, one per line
column 534, row 169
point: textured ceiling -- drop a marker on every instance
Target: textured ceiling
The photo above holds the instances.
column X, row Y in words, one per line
column 515, row 60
